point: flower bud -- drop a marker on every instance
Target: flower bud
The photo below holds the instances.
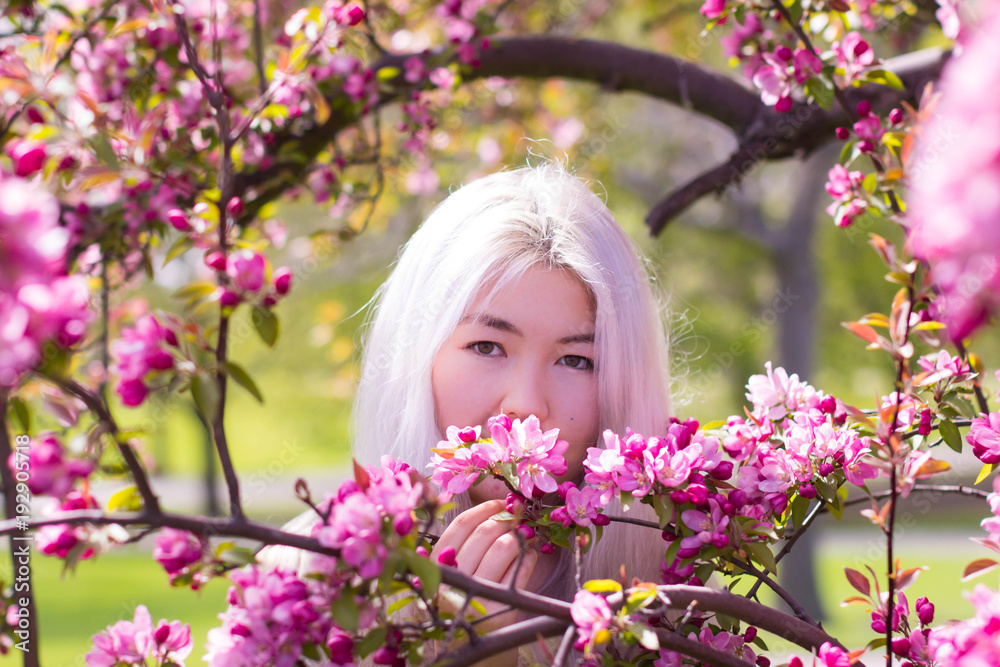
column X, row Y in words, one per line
column 235, row 206
column 601, row 520
column 864, row 108
column 763, row 661
column 896, row 116
column 901, row 646
column 547, row 549
column 350, row 15
column 925, row 611
column 843, row 133
column 216, row 260
column 178, row 220
column 466, row 435
column 447, row 557
column 527, row 532
column 229, row 298
column 34, row 115
column 515, row 503
column 28, row 157
column 750, row 634
column 422, row 551
column 784, row 53
column 924, row 428
column 565, row 488
column 866, row 146
column 170, row 337
column 807, row 490
column 795, row 661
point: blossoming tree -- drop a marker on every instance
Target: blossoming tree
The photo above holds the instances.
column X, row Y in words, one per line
column 135, row 128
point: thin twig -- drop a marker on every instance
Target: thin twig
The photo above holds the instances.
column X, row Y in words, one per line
column 774, row 586
column 258, row 47
column 99, row 407
column 984, row 405
column 564, row 646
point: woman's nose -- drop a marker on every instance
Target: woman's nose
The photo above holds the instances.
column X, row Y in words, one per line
column 526, row 394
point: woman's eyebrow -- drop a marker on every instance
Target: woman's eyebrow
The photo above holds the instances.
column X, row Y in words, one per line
column 493, row 322
column 579, row 338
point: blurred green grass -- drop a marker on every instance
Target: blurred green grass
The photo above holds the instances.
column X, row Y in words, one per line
column 104, row 590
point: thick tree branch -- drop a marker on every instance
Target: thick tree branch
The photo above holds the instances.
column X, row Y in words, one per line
column 762, row 134
column 802, row 130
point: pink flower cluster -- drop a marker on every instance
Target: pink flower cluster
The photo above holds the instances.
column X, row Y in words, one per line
column 39, row 303
column 139, row 642
column 176, row 550
column 984, row 436
column 972, row 642
column 141, row 353
column 913, row 633
column 829, row 655
column 516, row 449
column 955, row 160
column 53, row 473
column 362, row 518
column 737, row 645
column 593, row 619
column 272, row 616
column 248, row 273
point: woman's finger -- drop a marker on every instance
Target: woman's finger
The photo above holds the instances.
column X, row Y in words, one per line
column 461, row 529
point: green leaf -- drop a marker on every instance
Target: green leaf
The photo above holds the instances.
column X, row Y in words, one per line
column 345, row 612
column 478, row 606
column 950, row 434
column 178, row 248
column 20, row 411
column 644, row 635
column 664, row 510
column 399, row 604
column 371, row 641
column 885, row 78
column 266, row 324
column 762, row 554
column 126, row 500
column 105, row 153
column 502, row 516
column 870, row 182
column 821, row 91
column 237, row 556
column 627, row 499
column 243, row 379
column 205, row 390
column 195, row 291
column 428, row 571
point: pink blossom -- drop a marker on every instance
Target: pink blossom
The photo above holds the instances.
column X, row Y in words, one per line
column 941, row 366
column 246, row 269
column 712, row 9
column 953, row 168
column 28, row 157
column 984, row 436
column 592, row 617
column 52, row 473
column 126, row 641
column 775, row 83
column 176, row 549
column 142, row 350
column 732, row 43
column 272, row 615
column 583, row 505
column 972, row 642
column 947, row 16
column 807, row 65
column 854, row 55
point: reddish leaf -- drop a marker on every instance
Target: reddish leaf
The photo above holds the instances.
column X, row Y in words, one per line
column 858, row 581
column 855, row 599
column 905, row 578
column 361, row 476
column 978, row 567
column 863, row 331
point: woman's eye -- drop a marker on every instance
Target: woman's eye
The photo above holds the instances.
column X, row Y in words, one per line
column 485, row 347
column 576, row 361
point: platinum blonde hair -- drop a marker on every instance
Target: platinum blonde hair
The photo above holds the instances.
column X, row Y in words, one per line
column 484, row 236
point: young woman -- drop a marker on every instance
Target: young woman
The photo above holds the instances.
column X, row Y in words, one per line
column 519, row 294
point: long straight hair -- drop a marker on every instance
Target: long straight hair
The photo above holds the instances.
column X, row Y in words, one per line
column 488, row 233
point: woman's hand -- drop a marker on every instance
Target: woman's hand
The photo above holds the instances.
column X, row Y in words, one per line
column 488, row 549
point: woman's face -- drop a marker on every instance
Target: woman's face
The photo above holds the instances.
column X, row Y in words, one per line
column 530, row 351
